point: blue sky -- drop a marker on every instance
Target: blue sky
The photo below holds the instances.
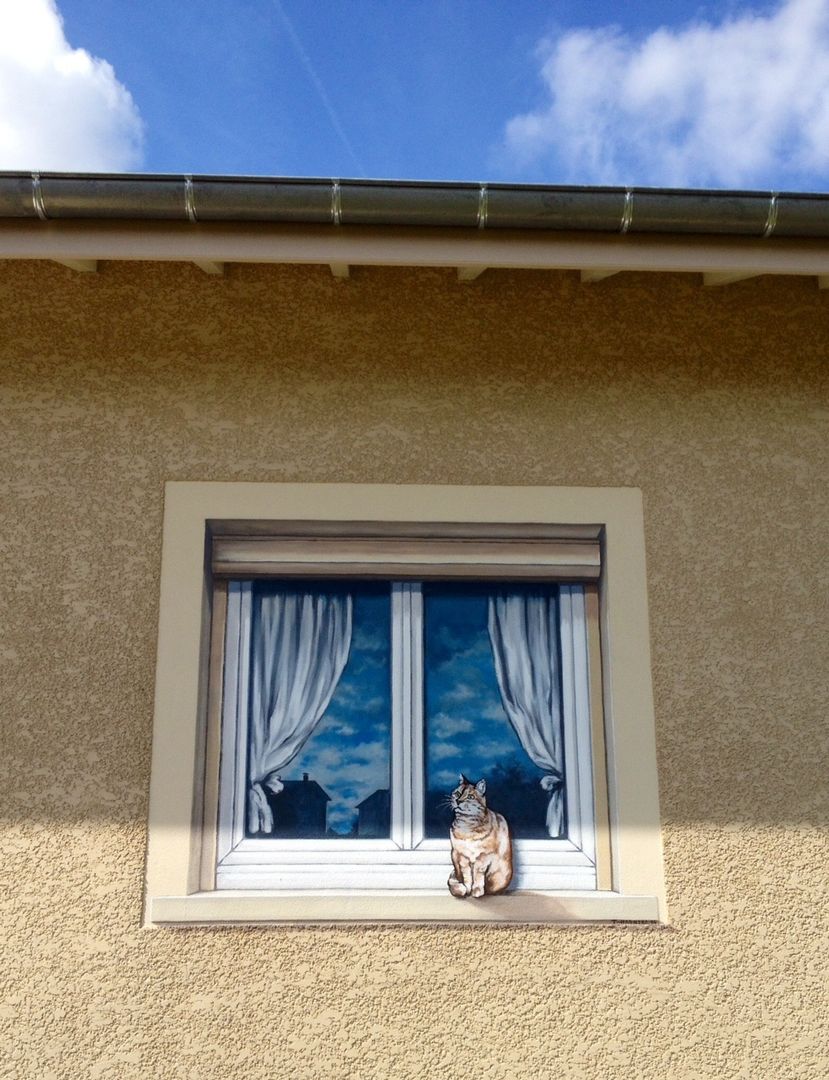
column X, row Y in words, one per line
column 724, row 95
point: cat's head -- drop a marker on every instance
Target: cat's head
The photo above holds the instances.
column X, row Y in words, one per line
column 468, row 799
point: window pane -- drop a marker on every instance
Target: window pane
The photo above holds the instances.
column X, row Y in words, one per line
column 337, row 782
column 467, row 728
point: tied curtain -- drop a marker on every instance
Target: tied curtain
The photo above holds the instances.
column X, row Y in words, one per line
column 523, row 631
column 301, row 644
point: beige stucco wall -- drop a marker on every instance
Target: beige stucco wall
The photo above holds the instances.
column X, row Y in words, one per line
column 712, row 401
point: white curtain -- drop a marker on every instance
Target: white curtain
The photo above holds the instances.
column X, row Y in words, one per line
column 301, row 644
column 523, row 630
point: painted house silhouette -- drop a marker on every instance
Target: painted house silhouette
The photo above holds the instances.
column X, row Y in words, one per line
column 299, row 810
column 374, row 814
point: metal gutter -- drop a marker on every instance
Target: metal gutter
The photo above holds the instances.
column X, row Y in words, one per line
column 143, row 197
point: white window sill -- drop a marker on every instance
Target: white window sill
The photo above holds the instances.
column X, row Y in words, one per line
column 332, row 867
column 410, row 907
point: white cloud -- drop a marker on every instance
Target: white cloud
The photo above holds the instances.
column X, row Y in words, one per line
column 370, row 752
column 444, row 726
column 60, row 108
column 459, row 693
column 328, row 758
column 364, row 767
column 493, row 748
column 440, row 750
column 465, row 658
column 364, row 640
column 742, row 102
column 493, row 710
column 446, row 778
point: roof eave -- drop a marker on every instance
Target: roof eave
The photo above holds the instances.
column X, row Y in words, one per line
column 404, row 203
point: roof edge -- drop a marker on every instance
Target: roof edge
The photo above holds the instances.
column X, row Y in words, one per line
column 48, row 196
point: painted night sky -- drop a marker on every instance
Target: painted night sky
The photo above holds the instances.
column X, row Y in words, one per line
column 467, row 730
column 349, row 753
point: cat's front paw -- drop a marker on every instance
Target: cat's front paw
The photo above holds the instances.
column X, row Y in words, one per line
column 477, row 890
column 456, row 888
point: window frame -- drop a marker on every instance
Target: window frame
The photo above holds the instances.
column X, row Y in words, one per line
column 184, row 784
column 407, row 859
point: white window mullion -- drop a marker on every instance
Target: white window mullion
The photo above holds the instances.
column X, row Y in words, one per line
column 407, row 715
column 417, row 725
column 401, row 828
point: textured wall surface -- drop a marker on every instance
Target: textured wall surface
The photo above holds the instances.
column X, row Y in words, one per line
column 713, row 401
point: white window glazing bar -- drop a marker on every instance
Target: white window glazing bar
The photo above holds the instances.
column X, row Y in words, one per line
column 416, row 720
column 407, row 713
column 400, row 817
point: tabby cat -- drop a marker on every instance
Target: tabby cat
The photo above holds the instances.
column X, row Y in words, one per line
column 481, row 846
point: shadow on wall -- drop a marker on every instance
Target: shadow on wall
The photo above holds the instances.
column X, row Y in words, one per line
column 740, row 792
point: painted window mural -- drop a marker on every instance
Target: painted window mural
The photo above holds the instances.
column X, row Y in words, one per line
column 321, row 669
column 321, row 732
column 467, row 727
column 406, row 734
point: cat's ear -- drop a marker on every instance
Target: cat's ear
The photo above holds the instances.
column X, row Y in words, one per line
column 463, row 779
column 480, row 787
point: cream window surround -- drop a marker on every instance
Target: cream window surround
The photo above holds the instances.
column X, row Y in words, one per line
column 590, row 535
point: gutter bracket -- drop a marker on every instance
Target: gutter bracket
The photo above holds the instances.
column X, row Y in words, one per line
column 771, row 218
column 627, row 212
column 37, row 197
column 189, row 200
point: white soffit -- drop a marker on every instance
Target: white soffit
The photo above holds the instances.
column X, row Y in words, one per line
column 722, row 261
